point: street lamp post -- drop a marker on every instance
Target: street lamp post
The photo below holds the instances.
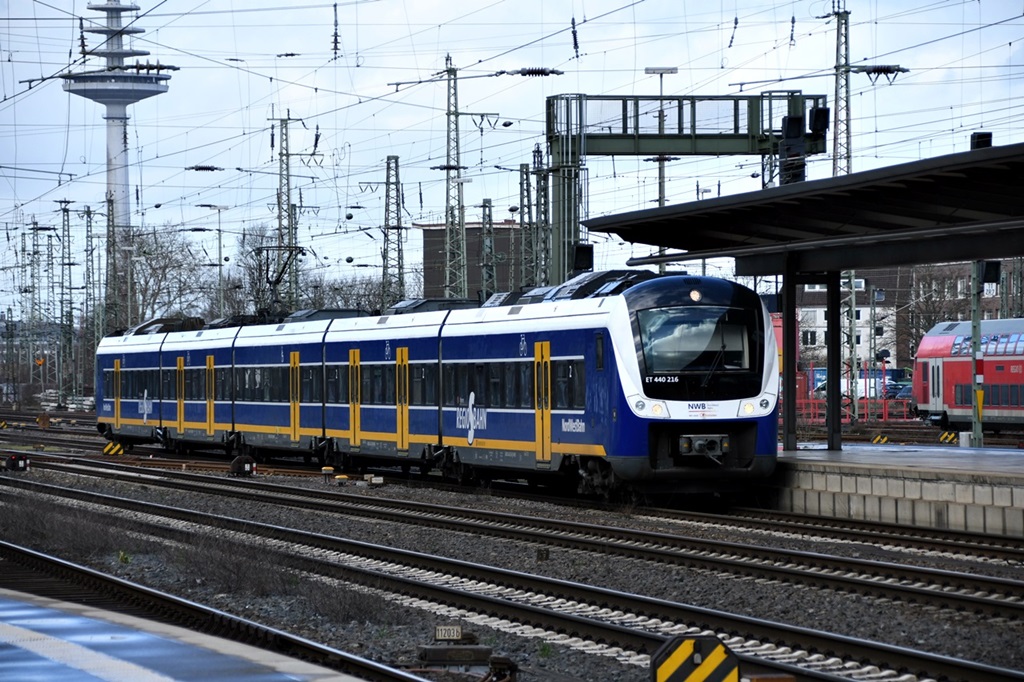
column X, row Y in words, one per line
column 220, row 257
column 661, row 71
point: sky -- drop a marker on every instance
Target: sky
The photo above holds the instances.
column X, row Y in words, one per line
column 361, row 80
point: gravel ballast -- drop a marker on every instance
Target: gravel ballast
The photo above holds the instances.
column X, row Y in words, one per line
column 368, row 625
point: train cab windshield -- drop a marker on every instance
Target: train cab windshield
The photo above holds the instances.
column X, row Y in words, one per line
column 707, row 348
column 694, row 339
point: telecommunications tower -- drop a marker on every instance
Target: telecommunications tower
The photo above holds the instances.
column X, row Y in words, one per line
column 116, row 85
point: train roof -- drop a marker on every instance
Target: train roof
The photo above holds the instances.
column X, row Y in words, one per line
column 988, row 327
column 582, row 286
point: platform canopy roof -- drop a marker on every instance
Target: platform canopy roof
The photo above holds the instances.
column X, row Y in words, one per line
column 959, row 207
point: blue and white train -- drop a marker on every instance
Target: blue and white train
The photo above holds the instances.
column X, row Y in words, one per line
column 658, row 384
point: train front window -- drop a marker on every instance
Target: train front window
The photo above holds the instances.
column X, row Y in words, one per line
column 696, row 339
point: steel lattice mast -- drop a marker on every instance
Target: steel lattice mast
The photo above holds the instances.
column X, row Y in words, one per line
column 454, row 209
column 117, row 86
column 393, row 279
column 841, row 136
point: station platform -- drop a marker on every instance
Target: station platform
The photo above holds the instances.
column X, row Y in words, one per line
column 955, row 488
column 42, row 639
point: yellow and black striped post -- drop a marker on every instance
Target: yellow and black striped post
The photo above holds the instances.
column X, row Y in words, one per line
column 693, row 659
column 113, row 448
column 949, row 437
column 879, row 439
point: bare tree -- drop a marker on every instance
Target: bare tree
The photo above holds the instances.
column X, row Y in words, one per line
column 166, row 278
column 941, row 293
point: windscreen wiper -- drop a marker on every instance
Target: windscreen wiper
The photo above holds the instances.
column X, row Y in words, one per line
column 714, row 365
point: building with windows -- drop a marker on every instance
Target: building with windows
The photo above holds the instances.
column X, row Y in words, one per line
column 892, row 308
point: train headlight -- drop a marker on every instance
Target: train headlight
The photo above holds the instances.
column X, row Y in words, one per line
column 651, row 409
column 750, row 408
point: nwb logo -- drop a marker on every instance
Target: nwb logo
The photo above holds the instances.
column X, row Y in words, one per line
column 697, row 406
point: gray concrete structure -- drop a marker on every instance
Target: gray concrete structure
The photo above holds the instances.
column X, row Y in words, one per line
column 962, row 489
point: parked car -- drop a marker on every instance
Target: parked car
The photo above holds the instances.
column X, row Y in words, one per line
column 907, row 393
column 893, row 388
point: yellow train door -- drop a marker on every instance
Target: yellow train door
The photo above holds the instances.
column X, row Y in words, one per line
column 117, row 394
column 294, row 393
column 402, row 399
column 542, row 400
column 354, row 384
column 179, row 384
column 209, row 395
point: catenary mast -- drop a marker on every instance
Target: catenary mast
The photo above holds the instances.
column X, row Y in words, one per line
column 116, row 86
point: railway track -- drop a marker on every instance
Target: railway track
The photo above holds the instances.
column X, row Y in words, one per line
column 974, row 546
column 31, row 572
column 993, row 597
column 630, row 543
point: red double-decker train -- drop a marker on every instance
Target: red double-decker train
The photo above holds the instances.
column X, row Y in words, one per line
column 944, row 382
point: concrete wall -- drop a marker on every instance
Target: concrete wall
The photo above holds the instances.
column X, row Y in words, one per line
column 963, row 501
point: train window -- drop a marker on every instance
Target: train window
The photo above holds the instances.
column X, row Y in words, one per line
column 424, row 383
column 495, row 396
column 332, row 383
column 560, row 397
column 312, row 384
column 281, row 385
column 241, row 383
column 701, row 339
column 416, row 385
column 448, row 385
column 221, row 384
column 577, row 385
column 199, row 381
column 370, row 384
column 511, row 398
column 599, row 352
column 430, row 389
column 388, row 385
column 254, row 382
column 1014, row 395
column 463, row 381
column 261, row 383
column 480, row 387
column 525, row 384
